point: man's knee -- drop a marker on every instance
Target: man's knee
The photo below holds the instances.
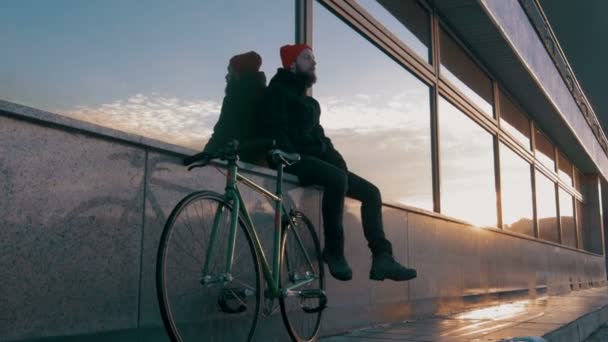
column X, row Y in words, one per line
column 339, row 181
column 373, row 194
column 367, row 193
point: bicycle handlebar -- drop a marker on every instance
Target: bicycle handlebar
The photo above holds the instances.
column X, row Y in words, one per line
column 230, row 152
column 194, row 158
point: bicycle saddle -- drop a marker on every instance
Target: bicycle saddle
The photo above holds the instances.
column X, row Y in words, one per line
column 284, row 158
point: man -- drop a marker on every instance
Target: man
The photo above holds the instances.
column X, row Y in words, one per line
column 245, row 91
column 295, row 127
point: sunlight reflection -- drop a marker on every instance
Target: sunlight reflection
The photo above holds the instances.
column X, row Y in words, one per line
column 468, row 188
column 499, row 312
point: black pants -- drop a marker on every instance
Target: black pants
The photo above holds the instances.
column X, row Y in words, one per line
column 337, row 184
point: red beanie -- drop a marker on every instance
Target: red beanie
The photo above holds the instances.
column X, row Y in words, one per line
column 246, row 62
column 289, row 53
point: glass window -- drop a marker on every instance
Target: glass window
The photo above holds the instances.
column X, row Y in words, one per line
column 577, row 180
column 544, row 150
column 157, row 72
column 407, row 20
column 566, row 213
column 565, row 169
column 546, row 208
column 378, row 117
column 513, row 121
column 458, row 68
column 468, row 188
column 516, row 190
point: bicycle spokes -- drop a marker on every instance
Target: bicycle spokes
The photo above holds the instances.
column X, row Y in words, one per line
column 199, row 297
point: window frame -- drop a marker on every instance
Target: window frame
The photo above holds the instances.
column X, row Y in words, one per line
column 353, row 15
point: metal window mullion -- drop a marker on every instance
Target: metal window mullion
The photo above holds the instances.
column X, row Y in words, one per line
column 533, row 175
column 303, row 22
column 533, row 140
column 497, row 174
column 574, row 211
column 556, row 157
column 534, row 204
column 435, row 147
column 556, row 186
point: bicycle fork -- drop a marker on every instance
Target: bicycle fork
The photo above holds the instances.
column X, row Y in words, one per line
column 225, row 277
column 232, row 300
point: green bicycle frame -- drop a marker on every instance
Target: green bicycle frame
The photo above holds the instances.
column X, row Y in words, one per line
column 233, row 195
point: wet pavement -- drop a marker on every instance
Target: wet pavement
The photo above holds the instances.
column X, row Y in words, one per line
column 567, row 318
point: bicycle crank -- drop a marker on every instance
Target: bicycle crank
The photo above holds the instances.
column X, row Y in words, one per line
column 310, row 294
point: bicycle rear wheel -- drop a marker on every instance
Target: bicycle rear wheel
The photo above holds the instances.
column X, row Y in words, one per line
column 302, row 307
column 215, row 308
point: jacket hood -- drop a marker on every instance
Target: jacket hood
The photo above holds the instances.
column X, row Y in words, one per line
column 246, row 83
column 289, row 79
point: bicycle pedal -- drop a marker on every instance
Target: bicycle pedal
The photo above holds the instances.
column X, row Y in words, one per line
column 312, row 294
column 233, row 300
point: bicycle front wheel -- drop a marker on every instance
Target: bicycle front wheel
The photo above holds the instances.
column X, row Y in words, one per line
column 302, row 278
column 211, row 306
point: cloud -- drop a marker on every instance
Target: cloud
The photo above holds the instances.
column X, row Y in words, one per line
column 385, row 138
column 363, row 113
column 178, row 121
column 190, row 122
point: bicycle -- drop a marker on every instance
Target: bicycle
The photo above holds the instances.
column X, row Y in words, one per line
column 224, row 282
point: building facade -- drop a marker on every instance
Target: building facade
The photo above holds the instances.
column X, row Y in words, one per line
column 466, row 114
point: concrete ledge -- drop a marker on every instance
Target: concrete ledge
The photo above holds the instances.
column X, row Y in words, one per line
column 45, row 118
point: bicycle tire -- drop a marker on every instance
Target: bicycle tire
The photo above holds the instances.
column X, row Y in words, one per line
column 301, row 325
column 211, row 311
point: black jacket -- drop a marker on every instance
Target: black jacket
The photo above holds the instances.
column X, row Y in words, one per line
column 241, row 114
column 294, row 119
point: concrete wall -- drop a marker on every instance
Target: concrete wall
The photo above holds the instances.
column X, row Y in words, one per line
column 82, row 209
column 81, row 219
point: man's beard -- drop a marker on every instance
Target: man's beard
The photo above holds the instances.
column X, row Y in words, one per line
column 309, row 77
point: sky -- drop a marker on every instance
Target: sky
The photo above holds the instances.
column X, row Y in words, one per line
column 159, row 70
column 66, row 53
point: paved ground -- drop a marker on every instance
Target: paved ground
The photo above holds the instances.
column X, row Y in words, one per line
column 498, row 323
column 601, row 335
